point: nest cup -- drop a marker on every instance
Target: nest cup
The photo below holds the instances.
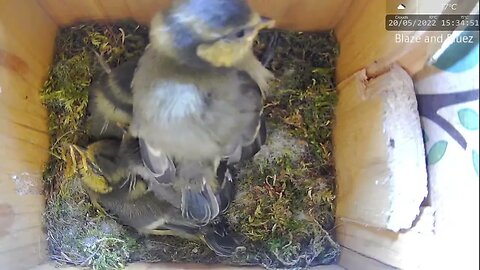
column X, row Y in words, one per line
column 388, row 216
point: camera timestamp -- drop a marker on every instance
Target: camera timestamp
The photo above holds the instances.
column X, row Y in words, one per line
column 418, row 22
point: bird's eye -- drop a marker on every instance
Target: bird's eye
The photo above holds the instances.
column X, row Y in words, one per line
column 240, row 33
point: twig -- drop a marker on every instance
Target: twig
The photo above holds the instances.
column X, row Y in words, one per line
column 102, row 62
column 61, row 137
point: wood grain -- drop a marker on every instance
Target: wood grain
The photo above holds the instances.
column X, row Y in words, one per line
column 27, row 34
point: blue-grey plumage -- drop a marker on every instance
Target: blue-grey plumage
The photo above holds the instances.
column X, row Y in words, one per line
column 110, row 102
column 134, row 205
column 113, row 88
column 218, row 193
column 165, row 185
column 197, row 96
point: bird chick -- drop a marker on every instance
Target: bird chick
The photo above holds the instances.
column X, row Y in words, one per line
column 110, row 102
column 194, row 105
column 139, row 208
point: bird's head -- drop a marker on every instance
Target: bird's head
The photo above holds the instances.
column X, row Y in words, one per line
column 97, row 164
column 207, row 32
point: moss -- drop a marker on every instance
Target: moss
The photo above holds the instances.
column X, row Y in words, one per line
column 287, row 193
column 79, row 234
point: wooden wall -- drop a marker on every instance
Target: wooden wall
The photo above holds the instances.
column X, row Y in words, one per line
column 26, row 46
column 304, row 15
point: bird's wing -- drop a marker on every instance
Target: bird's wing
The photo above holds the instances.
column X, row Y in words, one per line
column 158, row 163
column 246, row 152
column 100, row 128
column 250, row 105
column 122, row 77
column 198, row 186
column 138, row 213
column 160, row 175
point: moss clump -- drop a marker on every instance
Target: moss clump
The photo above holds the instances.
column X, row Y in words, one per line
column 287, row 193
column 80, row 235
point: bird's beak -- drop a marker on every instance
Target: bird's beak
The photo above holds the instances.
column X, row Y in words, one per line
column 73, row 156
column 76, row 152
column 264, row 23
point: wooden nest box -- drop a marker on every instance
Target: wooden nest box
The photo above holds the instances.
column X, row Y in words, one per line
column 383, row 218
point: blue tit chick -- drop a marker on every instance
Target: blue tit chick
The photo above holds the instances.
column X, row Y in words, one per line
column 194, row 104
column 139, row 208
column 110, row 102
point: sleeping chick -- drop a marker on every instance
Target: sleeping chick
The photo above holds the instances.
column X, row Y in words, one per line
column 139, row 208
column 197, row 97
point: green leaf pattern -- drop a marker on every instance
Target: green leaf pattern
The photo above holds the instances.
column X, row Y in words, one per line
column 468, row 119
column 436, row 152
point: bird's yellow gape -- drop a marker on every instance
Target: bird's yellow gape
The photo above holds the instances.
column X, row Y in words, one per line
column 92, row 179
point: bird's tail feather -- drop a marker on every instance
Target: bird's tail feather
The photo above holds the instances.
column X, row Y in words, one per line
column 200, row 205
column 226, row 191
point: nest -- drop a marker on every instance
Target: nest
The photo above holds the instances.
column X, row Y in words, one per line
column 286, row 198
